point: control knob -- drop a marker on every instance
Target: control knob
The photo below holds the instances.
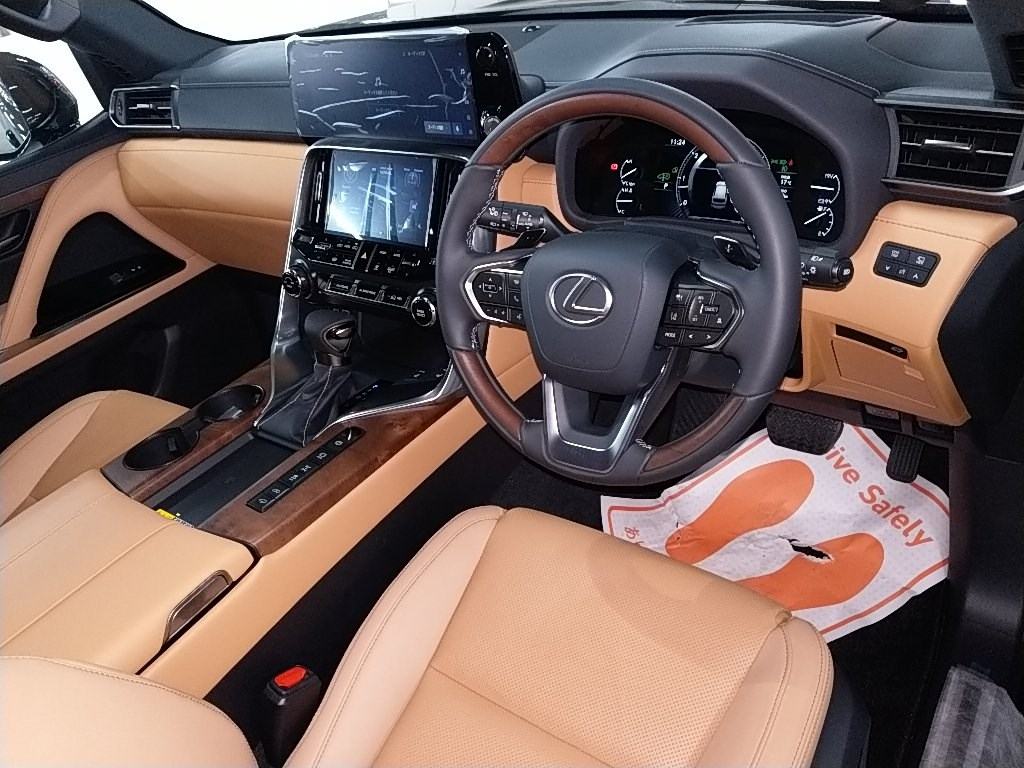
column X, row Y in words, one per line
column 486, row 56
column 488, row 122
column 423, row 309
column 296, row 281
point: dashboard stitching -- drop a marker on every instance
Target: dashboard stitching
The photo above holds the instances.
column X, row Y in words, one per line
column 931, row 230
column 758, row 51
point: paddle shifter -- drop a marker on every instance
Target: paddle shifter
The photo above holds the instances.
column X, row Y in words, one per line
column 321, row 397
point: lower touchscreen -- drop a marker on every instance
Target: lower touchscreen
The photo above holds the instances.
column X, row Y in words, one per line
column 380, row 196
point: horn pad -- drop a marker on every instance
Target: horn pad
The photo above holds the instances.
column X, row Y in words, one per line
column 593, row 302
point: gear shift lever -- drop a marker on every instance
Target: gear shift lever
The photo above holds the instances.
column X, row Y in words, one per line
column 319, row 398
column 330, row 336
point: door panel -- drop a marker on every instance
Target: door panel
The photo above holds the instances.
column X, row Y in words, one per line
column 183, row 347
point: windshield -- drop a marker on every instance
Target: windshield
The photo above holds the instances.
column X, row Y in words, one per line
column 253, row 19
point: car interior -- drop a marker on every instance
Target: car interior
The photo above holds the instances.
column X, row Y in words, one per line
column 347, row 369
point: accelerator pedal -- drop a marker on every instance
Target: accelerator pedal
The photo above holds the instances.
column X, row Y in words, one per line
column 904, row 458
column 800, row 431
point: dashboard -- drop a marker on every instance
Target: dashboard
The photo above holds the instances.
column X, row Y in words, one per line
column 625, row 168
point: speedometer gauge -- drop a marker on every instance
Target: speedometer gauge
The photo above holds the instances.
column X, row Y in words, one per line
column 700, row 191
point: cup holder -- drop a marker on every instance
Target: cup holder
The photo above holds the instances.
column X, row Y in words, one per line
column 229, row 404
column 161, row 449
column 170, row 444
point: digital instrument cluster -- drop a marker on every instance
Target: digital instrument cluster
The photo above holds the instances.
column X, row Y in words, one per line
column 627, row 168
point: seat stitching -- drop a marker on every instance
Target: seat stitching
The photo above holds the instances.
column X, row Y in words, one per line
column 516, row 715
column 50, row 533
column 134, row 680
column 86, row 582
column 40, row 431
column 376, row 636
column 725, row 714
column 819, row 696
column 776, row 702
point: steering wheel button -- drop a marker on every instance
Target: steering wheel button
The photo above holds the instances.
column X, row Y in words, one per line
column 670, row 337
column 515, row 299
column 726, row 307
column 495, row 312
column 675, row 316
column 514, row 281
column 489, row 287
column 680, row 297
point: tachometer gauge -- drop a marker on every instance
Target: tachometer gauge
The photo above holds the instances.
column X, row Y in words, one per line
column 626, row 203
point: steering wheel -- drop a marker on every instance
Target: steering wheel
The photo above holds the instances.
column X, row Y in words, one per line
column 594, row 302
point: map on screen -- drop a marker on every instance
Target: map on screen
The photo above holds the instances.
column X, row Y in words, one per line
column 409, row 87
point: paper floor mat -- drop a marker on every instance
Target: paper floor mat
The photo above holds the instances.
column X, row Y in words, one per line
column 830, row 537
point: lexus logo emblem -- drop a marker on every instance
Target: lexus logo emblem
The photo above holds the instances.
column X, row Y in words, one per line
column 580, row 298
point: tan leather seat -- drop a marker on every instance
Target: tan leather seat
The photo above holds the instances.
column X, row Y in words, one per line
column 511, row 639
column 85, row 434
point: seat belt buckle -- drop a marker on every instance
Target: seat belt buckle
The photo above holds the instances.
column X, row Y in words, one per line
column 289, row 702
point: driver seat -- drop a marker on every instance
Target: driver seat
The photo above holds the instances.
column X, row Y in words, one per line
column 512, row 638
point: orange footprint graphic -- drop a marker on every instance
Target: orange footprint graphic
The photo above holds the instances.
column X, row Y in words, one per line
column 806, row 582
column 760, row 497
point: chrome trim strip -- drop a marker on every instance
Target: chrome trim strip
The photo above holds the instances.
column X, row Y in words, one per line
column 925, row 186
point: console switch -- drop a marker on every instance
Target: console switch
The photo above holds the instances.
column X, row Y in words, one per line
column 302, row 471
column 905, row 264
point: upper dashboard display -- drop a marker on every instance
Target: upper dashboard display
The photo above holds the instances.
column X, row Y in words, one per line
column 629, row 168
column 435, row 86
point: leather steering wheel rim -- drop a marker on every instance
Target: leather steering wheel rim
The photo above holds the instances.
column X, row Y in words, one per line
column 766, row 348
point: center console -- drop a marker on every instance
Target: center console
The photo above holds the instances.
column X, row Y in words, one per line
column 358, row 367
column 397, row 117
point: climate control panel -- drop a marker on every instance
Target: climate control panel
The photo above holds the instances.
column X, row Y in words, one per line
column 339, row 270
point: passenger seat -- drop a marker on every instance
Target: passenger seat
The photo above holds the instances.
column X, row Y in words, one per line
column 85, row 434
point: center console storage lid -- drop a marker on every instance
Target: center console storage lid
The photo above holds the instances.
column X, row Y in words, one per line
column 91, row 575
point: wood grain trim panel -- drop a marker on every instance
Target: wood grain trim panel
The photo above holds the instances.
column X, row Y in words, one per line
column 385, row 435
column 141, row 485
column 203, row 654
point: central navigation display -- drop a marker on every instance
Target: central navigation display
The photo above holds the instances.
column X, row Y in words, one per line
column 380, row 196
column 404, row 86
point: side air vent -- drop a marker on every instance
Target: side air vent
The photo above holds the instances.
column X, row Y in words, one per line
column 143, row 107
column 957, row 148
column 1015, row 58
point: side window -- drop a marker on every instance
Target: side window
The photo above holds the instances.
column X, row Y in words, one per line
column 44, row 94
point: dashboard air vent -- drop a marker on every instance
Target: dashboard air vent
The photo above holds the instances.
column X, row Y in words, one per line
column 957, row 148
column 1015, row 58
column 143, row 107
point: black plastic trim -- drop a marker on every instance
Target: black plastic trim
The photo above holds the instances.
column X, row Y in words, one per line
column 983, row 333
